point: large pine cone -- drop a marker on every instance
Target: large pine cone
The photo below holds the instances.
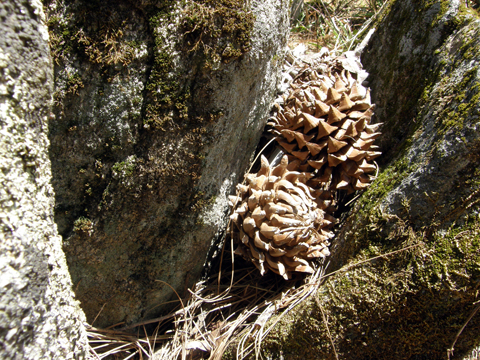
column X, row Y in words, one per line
column 324, row 124
column 277, row 222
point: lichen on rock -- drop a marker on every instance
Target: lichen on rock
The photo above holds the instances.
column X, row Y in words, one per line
column 39, row 316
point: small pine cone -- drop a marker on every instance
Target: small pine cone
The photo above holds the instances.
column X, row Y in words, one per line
column 325, row 125
column 276, row 220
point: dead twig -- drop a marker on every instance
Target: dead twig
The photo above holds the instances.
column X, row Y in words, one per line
column 96, row 317
column 472, row 314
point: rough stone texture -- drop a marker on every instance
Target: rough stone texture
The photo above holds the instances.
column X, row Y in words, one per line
column 424, row 72
column 39, row 318
column 159, row 109
column 438, row 114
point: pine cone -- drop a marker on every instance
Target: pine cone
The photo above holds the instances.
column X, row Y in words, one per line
column 277, row 222
column 325, row 125
column 281, row 219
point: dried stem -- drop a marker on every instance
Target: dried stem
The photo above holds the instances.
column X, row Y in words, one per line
column 472, row 314
column 326, row 324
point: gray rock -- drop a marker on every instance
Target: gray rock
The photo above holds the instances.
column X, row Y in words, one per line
column 158, row 113
column 39, row 318
column 435, row 75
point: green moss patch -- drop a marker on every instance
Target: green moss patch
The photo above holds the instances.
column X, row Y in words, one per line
column 456, row 81
column 211, row 32
column 220, row 30
column 408, row 305
column 98, row 39
column 125, row 168
column 404, row 70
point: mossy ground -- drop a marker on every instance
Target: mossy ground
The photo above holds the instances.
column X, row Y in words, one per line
column 407, row 306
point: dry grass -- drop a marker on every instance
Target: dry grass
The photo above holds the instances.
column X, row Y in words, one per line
column 335, row 24
column 212, row 322
column 474, row 355
column 114, row 344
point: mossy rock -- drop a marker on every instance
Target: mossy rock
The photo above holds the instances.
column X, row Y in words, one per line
column 157, row 116
column 409, row 305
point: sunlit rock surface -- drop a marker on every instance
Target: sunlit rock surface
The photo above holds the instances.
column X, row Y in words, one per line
column 39, row 317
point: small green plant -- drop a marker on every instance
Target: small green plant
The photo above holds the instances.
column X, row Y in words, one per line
column 125, row 168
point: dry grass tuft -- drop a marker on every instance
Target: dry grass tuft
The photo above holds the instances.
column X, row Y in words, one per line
column 115, row 344
column 335, row 24
column 212, row 323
